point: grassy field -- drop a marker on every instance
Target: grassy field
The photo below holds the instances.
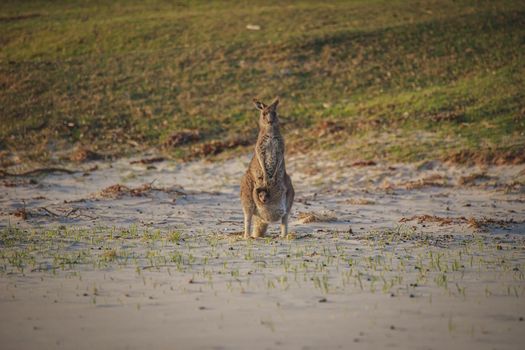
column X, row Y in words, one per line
column 394, row 80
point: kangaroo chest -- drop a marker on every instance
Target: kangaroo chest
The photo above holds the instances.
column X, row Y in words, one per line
column 271, row 149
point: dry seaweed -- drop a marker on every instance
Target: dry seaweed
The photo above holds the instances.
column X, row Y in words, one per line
column 118, row 191
column 429, row 181
column 308, row 217
column 360, row 201
column 148, row 160
column 442, row 221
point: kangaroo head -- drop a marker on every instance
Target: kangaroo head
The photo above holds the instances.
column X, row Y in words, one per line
column 262, row 194
column 268, row 115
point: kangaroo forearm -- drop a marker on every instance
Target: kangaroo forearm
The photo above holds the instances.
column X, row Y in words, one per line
column 261, row 164
column 277, row 167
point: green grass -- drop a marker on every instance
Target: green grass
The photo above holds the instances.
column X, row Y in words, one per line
column 122, row 76
column 396, row 261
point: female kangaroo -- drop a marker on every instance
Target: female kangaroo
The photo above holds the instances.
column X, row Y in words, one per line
column 266, row 189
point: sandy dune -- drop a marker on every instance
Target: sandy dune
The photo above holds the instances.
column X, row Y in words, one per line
column 418, row 256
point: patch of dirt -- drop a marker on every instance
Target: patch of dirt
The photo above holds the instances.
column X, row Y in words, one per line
column 182, row 137
column 305, row 217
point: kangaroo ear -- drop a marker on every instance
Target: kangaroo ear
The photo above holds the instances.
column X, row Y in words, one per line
column 258, row 104
column 274, row 104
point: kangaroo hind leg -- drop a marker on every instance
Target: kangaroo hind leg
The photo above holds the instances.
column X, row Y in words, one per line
column 284, row 226
column 247, row 223
column 259, row 228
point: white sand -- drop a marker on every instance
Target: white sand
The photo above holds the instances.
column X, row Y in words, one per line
column 215, row 291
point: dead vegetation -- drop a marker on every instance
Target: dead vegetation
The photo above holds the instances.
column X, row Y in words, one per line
column 308, row 217
column 435, row 180
column 19, row 182
column 363, row 163
column 442, row 221
column 38, row 171
column 215, row 147
column 360, row 201
column 82, row 154
column 118, row 191
column 447, row 116
column 182, row 137
column 21, row 213
column 7, row 158
column 147, row 161
column 514, row 187
column 24, row 214
column 328, row 127
column 473, row 179
column 471, row 222
column 486, row 157
column 483, row 223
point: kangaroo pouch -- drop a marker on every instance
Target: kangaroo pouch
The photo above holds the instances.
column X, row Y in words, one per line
column 272, row 211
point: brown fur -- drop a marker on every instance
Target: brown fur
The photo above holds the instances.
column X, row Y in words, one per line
column 266, row 189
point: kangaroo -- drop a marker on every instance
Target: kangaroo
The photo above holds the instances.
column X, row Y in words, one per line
column 267, row 192
column 262, row 195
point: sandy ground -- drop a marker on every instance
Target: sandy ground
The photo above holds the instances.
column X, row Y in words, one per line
column 420, row 256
